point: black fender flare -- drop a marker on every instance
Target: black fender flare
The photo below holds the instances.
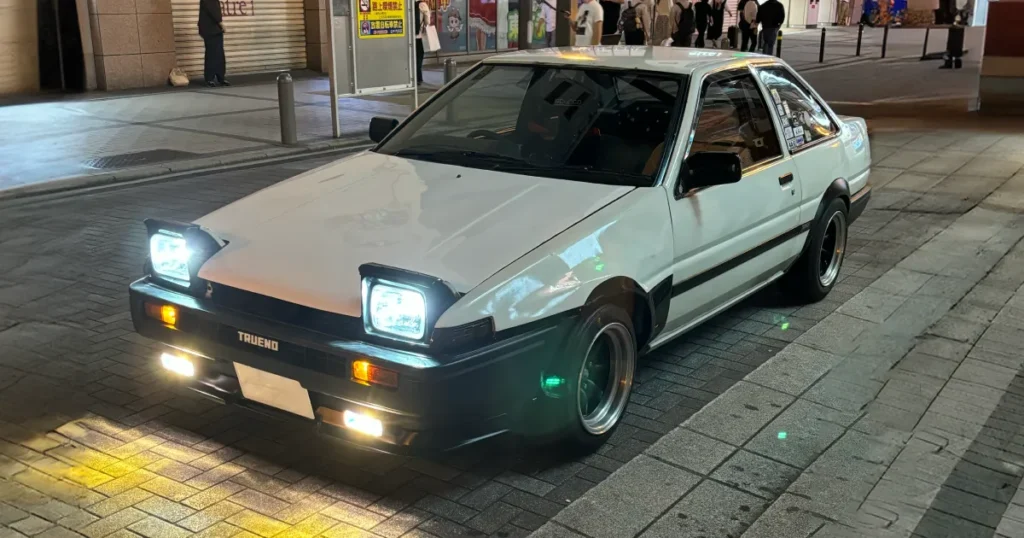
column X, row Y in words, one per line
column 839, row 188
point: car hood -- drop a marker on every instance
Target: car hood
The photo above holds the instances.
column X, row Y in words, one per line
column 303, row 240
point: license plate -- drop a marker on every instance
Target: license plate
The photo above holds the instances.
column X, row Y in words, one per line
column 274, row 390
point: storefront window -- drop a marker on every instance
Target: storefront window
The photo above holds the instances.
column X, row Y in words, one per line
column 537, row 26
column 450, row 18
column 483, row 25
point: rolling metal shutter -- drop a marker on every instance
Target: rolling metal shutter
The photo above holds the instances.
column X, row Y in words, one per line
column 260, row 35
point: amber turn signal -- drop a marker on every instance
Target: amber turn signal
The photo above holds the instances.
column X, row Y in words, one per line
column 368, row 374
column 166, row 314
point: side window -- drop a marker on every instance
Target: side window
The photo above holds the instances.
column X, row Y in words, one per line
column 733, row 117
column 804, row 120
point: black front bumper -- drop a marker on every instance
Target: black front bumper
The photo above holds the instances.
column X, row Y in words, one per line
column 441, row 402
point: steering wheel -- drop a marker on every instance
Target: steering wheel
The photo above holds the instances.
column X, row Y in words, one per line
column 484, row 133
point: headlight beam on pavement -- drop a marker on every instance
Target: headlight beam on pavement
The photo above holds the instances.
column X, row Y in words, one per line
column 178, row 364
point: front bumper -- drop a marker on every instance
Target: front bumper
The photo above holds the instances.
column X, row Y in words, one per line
column 441, row 402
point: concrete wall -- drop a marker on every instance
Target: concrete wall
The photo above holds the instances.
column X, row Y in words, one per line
column 1001, row 87
column 132, row 41
column 317, row 42
column 19, row 47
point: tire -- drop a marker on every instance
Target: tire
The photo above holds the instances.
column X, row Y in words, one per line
column 813, row 276
column 605, row 334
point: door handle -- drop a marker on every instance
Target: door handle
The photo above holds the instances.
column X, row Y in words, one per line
column 786, row 179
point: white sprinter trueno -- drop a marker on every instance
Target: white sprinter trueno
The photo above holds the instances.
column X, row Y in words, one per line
column 503, row 257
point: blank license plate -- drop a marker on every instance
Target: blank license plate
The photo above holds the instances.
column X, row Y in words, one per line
column 274, row 390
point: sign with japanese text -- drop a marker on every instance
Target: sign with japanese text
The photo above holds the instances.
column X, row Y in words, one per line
column 381, row 18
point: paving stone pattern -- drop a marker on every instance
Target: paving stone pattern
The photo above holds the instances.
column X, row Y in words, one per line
column 899, row 414
column 95, row 441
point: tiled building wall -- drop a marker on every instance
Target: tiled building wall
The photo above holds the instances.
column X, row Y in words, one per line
column 19, row 51
column 317, row 43
column 133, row 42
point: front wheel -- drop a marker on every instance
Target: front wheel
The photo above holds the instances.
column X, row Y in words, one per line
column 601, row 363
column 817, row 271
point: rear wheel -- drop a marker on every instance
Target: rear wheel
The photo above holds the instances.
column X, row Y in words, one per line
column 601, row 363
column 817, row 271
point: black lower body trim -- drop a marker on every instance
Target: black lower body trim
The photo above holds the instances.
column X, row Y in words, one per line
column 859, row 203
column 719, row 270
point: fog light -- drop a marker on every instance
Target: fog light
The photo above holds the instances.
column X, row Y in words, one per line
column 166, row 314
column 363, row 424
column 366, row 373
column 178, row 365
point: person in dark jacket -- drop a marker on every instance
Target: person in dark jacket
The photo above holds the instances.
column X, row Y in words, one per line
column 211, row 28
column 770, row 15
column 718, row 10
column 681, row 17
column 702, row 17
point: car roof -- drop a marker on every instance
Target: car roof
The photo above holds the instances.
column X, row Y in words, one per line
column 664, row 59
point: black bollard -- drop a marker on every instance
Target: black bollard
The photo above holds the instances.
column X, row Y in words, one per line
column 885, row 39
column 924, row 48
column 860, row 36
column 821, row 49
column 778, row 45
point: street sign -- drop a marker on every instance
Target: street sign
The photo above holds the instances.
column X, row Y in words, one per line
column 372, row 48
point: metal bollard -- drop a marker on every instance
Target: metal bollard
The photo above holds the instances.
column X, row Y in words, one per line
column 286, row 107
column 924, row 48
column 821, row 49
column 860, row 36
column 449, row 70
column 885, row 39
column 778, row 45
column 449, row 75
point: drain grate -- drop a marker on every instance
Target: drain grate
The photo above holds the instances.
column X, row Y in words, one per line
column 126, row 160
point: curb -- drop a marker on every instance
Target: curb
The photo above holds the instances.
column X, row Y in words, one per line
column 909, row 108
column 175, row 169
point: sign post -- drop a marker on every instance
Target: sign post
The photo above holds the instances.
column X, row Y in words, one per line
column 372, row 49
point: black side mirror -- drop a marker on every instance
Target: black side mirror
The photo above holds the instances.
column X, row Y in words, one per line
column 707, row 169
column 381, row 127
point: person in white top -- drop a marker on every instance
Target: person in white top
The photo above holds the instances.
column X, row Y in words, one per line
column 548, row 11
column 748, row 24
column 588, row 23
column 422, row 21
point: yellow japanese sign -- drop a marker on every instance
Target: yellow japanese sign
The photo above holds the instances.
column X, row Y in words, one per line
column 381, row 18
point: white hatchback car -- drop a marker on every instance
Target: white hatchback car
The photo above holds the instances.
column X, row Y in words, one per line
column 500, row 260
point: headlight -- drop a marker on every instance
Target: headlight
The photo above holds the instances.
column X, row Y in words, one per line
column 169, row 255
column 395, row 309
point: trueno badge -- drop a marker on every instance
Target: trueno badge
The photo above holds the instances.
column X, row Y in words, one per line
column 257, row 341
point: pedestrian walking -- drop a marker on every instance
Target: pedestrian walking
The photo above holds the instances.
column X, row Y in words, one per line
column 717, row 24
column 770, row 16
column 748, row 24
column 661, row 26
column 211, row 29
column 422, row 22
column 702, row 17
column 635, row 22
column 549, row 13
column 612, row 12
column 682, row 18
column 587, row 24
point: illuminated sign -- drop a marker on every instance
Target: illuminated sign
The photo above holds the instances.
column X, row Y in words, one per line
column 381, row 18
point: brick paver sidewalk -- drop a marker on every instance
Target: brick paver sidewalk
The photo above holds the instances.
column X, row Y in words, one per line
column 900, row 413
column 156, row 133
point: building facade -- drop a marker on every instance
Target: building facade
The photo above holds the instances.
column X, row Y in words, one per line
column 76, row 45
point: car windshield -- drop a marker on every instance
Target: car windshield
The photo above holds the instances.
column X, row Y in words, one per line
column 593, row 125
